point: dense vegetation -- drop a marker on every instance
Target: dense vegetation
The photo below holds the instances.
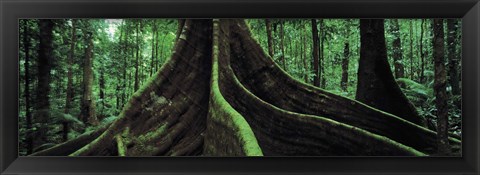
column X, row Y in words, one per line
column 78, row 76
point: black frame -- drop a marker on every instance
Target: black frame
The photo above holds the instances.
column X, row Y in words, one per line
column 12, row 10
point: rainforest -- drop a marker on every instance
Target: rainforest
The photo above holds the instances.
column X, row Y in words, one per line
column 240, row 87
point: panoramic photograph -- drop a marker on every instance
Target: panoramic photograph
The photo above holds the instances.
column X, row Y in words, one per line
column 240, row 87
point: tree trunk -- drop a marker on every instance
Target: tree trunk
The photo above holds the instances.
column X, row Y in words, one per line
column 70, row 89
column 125, row 66
column 28, row 115
column 220, row 94
column 304, row 53
column 397, row 51
column 440, row 87
column 44, row 63
column 411, row 52
column 88, row 115
column 453, row 56
column 102, row 94
column 268, row 25
column 321, row 74
column 316, row 74
column 137, row 56
column 282, row 45
column 152, row 64
column 422, row 56
column 346, row 54
column 376, row 85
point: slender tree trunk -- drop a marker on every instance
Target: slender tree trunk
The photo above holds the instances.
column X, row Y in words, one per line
column 157, row 59
column 137, row 57
column 440, row 87
column 376, row 85
column 453, row 57
column 70, row 90
column 88, row 102
column 28, row 114
column 316, row 75
column 282, row 45
column 397, row 51
column 154, row 31
column 304, row 53
column 321, row 74
column 102, row 94
column 44, row 63
column 346, row 55
column 411, row 51
column 268, row 25
column 422, row 57
column 125, row 65
column 345, row 60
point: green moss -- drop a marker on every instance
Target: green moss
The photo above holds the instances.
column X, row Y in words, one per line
column 224, row 112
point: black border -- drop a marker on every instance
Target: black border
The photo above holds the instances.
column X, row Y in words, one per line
column 12, row 10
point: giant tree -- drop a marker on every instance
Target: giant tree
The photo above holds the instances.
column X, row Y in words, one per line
column 376, row 85
column 221, row 94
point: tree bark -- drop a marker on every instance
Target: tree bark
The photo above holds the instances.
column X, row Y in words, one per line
column 440, row 87
column 88, row 115
column 282, row 45
column 137, row 56
column 346, row 54
column 422, row 55
column 44, row 63
column 376, row 85
column 316, row 74
column 153, row 63
column 304, row 53
column 268, row 25
column 412, row 73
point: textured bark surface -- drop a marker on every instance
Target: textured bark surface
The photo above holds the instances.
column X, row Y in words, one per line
column 220, row 94
column 268, row 27
column 376, row 85
column 439, row 86
column 87, row 114
column 346, row 55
